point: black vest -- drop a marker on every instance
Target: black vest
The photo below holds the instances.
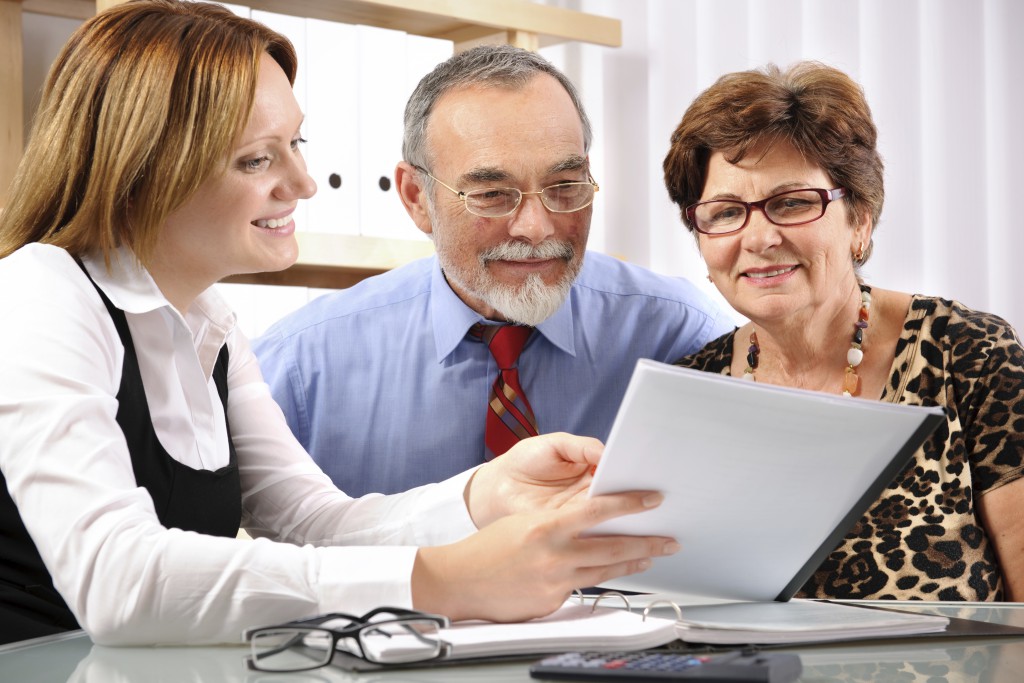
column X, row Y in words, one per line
column 209, row 502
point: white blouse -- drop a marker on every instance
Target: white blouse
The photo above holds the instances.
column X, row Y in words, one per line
column 126, row 578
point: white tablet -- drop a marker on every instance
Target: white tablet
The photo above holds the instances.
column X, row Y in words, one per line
column 761, row 482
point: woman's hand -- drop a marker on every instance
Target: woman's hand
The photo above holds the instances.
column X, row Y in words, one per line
column 540, row 473
column 526, row 565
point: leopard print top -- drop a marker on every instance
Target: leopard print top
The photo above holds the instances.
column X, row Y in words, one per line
column 922, row 539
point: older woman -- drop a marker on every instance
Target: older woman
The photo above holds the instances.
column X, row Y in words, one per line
column 778, row 176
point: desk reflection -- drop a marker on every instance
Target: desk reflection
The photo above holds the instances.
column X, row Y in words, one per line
column 988, row 663
column 227, row 665
column 1000, row 661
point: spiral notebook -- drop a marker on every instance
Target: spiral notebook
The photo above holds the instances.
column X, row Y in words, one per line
column 761, row 482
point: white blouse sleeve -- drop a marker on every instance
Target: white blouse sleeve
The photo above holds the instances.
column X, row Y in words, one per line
column 128, row 579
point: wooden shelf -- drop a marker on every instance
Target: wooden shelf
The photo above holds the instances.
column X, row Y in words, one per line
column 334, row 261
column 458, row 21
column 326, row 260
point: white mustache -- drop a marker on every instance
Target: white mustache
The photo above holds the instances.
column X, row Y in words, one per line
column 517, row 251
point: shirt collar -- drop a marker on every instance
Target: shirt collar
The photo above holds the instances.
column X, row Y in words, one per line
column 131, row 288
column 127, row 283
column 452, row 318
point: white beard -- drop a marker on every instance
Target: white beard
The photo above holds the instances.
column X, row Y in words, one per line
column 532, row 302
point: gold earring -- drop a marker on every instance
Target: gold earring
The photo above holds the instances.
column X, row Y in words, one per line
column 859, row 256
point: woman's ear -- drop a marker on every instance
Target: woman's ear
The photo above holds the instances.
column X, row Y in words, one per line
column 861, row 239
column 413, row 194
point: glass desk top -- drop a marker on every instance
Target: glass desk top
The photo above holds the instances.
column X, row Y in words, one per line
column 72, row 658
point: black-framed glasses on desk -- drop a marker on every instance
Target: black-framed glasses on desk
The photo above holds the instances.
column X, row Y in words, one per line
column 386, row 635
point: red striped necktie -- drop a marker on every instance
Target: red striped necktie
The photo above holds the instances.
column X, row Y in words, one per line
column 509, row 415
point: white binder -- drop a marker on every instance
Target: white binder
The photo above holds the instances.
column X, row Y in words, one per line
column 332, row 126
column 381, row 100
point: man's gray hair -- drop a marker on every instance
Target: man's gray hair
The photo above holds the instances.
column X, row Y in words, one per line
column 492, row 65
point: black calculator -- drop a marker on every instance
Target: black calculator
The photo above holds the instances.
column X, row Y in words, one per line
column 747, row 666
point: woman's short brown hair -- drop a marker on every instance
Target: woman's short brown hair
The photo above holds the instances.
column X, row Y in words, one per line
column 139, row 109
column 817, row 109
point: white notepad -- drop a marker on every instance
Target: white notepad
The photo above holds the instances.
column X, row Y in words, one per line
column 799, row 621
column 574, row 626
column 761, row 482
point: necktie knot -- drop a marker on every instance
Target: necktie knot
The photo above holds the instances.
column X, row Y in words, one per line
column 506, row 342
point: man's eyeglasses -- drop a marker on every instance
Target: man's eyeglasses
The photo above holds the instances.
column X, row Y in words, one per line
column 386, row 635
column 497, row 202
column 795, row 207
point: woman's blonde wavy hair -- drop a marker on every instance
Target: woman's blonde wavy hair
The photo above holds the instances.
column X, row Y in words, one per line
column 140, row 108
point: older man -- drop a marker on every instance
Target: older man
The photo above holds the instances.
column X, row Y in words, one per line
column 512, row 328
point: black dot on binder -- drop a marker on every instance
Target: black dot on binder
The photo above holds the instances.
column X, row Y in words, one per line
column 384, row 183
column 334, row 180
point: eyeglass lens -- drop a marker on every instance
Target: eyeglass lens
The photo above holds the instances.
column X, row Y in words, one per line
column 291, row 649
column 501, row 201
column 788, row 208
column 398, row 641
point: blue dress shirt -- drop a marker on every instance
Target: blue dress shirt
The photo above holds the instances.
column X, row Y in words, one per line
column 383, row 387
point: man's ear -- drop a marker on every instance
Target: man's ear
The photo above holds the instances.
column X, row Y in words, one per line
column 413, row 195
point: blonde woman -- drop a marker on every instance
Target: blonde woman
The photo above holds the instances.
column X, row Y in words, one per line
column 137, row 431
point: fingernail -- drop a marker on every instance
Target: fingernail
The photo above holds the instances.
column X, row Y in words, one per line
column 653, row 500
column 643, row 565
column 671, row 547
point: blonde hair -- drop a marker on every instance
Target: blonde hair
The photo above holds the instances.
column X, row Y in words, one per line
column 141, row 107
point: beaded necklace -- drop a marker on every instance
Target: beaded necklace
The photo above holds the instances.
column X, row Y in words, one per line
column 854, row 356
